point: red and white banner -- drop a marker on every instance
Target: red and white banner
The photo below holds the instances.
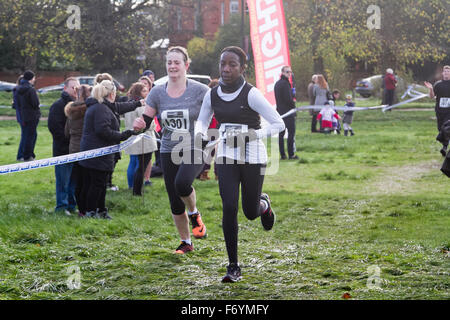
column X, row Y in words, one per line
column 270, row 43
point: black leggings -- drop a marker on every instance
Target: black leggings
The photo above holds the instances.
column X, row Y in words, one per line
column 94, row 193
column 251, row 178
column 179, row 178
column 138, row 178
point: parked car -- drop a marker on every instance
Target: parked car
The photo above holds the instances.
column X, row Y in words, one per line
column 197, row 77
column 7, row 86
column 89, row 80
column 372, row 86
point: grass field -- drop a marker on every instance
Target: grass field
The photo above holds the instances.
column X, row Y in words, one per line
column 366, row 215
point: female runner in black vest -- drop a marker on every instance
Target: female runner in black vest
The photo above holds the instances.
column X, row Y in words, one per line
column 242, row 156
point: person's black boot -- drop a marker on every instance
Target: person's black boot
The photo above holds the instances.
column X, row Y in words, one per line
column 352, row 133
column 345, row 132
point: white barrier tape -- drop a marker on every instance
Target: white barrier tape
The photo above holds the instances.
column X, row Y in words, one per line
column 10, row 107
column 410, row 92
column 318, row 108
column 421, row 96
column 73, row 157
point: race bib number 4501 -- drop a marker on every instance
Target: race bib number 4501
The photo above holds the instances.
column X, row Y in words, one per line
column 444, row 103
column 176, row 120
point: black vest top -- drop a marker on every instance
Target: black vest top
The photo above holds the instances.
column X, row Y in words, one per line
column 235, row 111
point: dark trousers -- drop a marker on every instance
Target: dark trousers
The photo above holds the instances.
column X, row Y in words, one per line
column 138, row 179
column 250, row 177
column 178, row 178
column 94, row 185
column 22, row 143
column 314, row 121
column 78, row 179
column 290, row 127
column 390, row 97
column 442, row 117
column 29, row 138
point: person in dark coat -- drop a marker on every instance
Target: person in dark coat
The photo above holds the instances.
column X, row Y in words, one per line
column 30, row 113
column 121, row 106
column 16, row 107
column 100, row 129
column 65, row 186
column 285, row 103
column 73, row 130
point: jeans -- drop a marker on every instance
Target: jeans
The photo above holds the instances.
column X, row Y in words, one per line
column 132, row 167
column 65, row 188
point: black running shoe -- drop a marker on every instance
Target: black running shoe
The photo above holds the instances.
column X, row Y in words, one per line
column 233, row 273
column 268, row 216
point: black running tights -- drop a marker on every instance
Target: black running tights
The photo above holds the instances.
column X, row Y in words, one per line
column 178, row 179
column 231, row 176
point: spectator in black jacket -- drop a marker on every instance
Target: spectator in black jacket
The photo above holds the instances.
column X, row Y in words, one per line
column 65, row 185
column 28, row 103
column 16, row 107
column 285, row 103
column 120, row 106
column 100, row 129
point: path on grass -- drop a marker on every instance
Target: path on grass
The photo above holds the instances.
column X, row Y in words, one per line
column 402, row 179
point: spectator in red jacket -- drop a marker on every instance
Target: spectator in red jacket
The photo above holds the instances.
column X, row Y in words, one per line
column 390, row 82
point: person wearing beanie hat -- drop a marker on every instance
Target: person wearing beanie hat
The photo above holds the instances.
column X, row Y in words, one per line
column 28, row 75
column 28, row 102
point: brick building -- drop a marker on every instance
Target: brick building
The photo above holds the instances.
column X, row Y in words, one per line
column 201, row 18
